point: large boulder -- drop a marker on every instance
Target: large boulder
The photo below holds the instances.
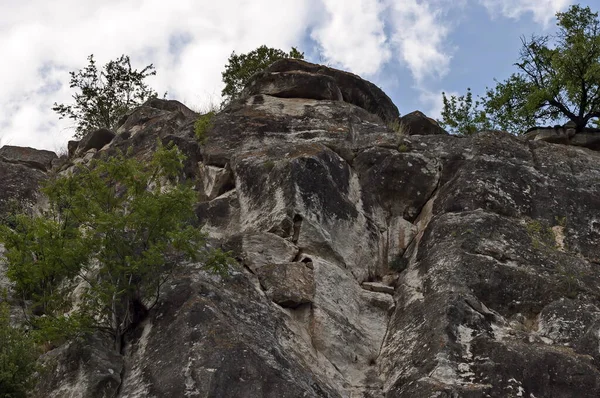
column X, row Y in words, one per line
column 20, row 185
column 417, row 123
column 36, row 158
column 296, row 84
column 354, row 90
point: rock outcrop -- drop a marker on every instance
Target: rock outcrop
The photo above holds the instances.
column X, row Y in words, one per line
column 567, row 135
column 371, row 265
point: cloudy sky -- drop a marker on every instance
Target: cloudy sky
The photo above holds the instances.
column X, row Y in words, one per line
column 412, row 49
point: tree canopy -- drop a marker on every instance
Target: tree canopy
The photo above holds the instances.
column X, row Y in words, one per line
column 119, row 227
column 557, row 79
column 240, row 68
column 104, row 96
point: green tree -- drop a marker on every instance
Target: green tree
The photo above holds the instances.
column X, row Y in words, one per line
column 105, row 96
column 240, row 68
column 462, row 115
column 18, row 355
column 118, row 226
column 558, row 77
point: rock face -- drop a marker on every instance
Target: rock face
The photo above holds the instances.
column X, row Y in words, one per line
column 438, row 266
column 588, row 138
column 35, row 158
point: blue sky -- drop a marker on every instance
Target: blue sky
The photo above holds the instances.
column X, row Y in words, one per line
column 412, row 49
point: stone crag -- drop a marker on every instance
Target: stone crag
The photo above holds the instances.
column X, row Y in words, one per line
column 371, row 264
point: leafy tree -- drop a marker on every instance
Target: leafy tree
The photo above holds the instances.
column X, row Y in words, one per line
column 105, row 96
column 463, row 115
column 18, row 355
column 240, row 68
column 118, row 227
column 558, row 78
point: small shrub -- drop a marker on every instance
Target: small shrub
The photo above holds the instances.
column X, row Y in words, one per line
column 540, row 235
column 18, row 355
column 269, row 165
column 202, row 125
column 398, row 127
column 403, row 148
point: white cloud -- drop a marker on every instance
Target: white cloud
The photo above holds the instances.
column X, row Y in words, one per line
column 543, row 10
column 352, row 35
column 58, row 36
column 419, row 34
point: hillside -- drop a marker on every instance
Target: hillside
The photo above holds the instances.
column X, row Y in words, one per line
column 377, row 258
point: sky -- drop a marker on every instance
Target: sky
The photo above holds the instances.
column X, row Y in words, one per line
column 412, row 49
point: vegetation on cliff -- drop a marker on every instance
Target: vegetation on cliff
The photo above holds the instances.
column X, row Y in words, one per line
column 558, row 78
column 116, row 228
column 105, row 96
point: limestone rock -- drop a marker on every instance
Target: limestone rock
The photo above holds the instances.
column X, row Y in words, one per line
column 378, row 287
column 288, row 284
column 416, row 123
column 19, row 186
column 36, row 158
column 296, row 84
column 354, row 89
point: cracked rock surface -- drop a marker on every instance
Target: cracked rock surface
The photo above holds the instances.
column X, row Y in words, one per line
column 372, row 265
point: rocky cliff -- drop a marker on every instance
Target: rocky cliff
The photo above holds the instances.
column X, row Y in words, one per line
column 378, row 258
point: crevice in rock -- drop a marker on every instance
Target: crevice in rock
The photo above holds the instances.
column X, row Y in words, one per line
column 534, row 157
column 298, row 256
column 122, row 377
column 296, row 228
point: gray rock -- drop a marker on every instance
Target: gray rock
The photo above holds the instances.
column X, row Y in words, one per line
column 495, row 237
column 72, row 147
column 295, row 84
column 354, row 89
column 416, row 123
column 378, row 287
column 288, row 284
column 36, row 158
column 95, row 140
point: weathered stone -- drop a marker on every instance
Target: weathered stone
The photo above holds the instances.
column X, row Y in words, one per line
column 416, row 123
column 586, row 140
column 95, row 140
column 36, row 158
column 81, row 369
column 171, row 106
column 72, row 147
column 295, row 84
column 19, row 186
column 288, row 284
column 378, row 287
column 354, row 89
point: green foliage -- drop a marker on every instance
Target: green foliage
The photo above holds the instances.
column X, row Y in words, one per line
column 269, row 165
column 202, row 125
column 462, row 115
column 105, row 96
column 403, row 148
column 117, row 225
column 558, row 77
column 18, row 355
column 240, row 68
column 541, row 235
